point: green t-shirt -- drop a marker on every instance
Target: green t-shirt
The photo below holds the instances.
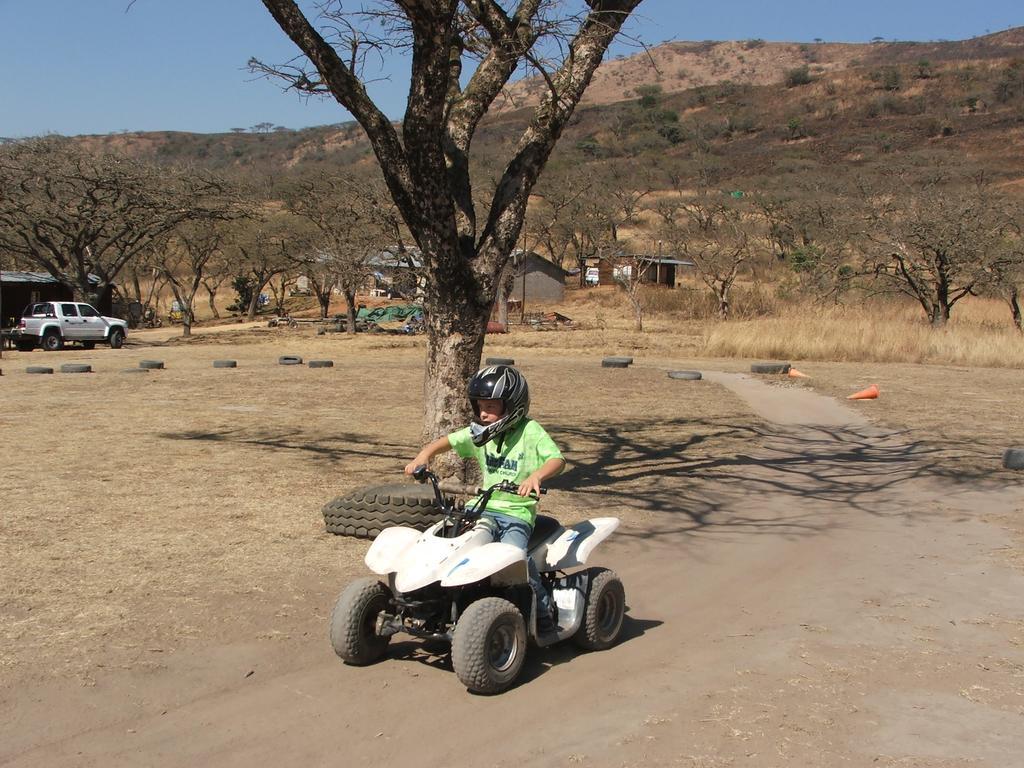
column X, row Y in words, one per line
column 513, row 456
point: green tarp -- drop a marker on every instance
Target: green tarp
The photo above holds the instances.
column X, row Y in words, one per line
column 389, row 314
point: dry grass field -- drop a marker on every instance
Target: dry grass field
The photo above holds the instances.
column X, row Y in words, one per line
column 149, row 511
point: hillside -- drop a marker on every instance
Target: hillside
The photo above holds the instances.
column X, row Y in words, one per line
column 681, row 66
column 763, row 109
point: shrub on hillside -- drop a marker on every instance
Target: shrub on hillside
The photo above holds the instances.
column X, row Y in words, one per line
column 797, row 76
column 1011, row 82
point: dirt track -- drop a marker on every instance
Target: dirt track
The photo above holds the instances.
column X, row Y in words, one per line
column 829, row 597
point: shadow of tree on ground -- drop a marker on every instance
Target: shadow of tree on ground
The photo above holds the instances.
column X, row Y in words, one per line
column 698, row 472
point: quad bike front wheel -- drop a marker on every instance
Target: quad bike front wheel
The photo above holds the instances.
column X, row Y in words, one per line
column 489, row 645
column 354, row 622
column 603, row 612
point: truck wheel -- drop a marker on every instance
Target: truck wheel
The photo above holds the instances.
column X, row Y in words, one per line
column 603, row 611
column 489, row 645
column 52, row 341
column 365, row 512
column 354, row 622
column 116, row 338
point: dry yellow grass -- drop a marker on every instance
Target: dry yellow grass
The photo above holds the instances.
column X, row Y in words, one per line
column 872, row 335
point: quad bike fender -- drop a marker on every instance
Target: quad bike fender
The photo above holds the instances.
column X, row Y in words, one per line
column 389, row 546
column 505, row 563
column 430, row 557
column 573, row 545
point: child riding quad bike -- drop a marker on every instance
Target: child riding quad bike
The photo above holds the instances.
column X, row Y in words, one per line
column 453, row 582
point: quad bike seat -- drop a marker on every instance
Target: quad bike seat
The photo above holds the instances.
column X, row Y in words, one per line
column 543, row 527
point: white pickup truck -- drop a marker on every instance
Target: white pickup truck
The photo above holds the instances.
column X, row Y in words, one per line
column 52, row 324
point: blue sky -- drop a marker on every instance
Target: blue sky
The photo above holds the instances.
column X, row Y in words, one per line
column 98, row 66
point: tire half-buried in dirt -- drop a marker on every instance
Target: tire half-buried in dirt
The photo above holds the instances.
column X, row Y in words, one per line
column 365, row 512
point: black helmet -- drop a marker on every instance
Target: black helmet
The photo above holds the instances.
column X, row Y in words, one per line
column 498, row 382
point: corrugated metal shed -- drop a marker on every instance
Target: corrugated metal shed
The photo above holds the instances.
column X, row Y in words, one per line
column 36, row 277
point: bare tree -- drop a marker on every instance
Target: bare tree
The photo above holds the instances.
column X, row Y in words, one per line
column 630, row 270
column 934, row 242
column 1005, row 271
column 218, row 269
column 718, row 256
column 261, row 248
column 813, row 229
column 75, row 214
column 427, row 165
column 344, row 210
column 279, row 285
column 572, row 216
column 183, row 263
column 141, row 281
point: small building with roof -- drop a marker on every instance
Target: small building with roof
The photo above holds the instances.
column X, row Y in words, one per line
column 536, row 279
column 19, row 289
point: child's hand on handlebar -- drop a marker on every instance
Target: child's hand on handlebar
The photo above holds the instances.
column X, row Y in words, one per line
column 415, row 464
column 531, row 485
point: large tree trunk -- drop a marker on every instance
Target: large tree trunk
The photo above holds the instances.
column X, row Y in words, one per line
column 454, row 346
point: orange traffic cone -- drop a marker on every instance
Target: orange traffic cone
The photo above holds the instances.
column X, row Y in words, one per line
column 795, row 374
column 865, row 394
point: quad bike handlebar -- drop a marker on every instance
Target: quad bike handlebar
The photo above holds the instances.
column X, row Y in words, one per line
column 456, row 515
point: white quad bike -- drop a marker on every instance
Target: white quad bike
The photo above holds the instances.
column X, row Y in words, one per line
column 452, row 582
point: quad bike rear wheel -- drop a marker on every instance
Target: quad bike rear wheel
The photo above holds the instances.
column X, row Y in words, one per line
column 603, row 612
column 354, row 622
column 489, row 645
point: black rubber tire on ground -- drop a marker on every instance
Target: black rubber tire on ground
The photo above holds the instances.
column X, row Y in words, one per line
column 52, row 341
column 75, row 368
column 770, row 368
column 38, row 369
column 365, row 512
column 88, row 345
column 116, row 338
column 620, row 359
column 1013, row 458
column 225, row 363
column 354, row 621
column 152, row 365
column 609, row 362
column 685, row 375
column 289, row 360
column 499, row 361
column 321, row 363
column 25, row 346
column 603, row 611
column 489, row 645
